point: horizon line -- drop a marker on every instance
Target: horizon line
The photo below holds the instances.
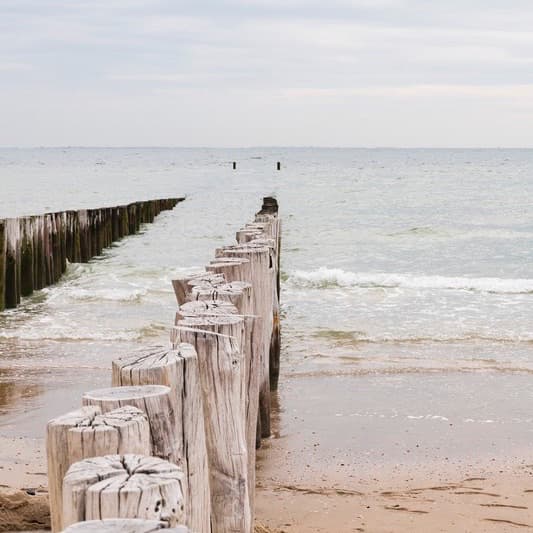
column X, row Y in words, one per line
column 259, row 147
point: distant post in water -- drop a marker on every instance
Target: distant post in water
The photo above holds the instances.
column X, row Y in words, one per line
column 234, row 165
column 278, row 165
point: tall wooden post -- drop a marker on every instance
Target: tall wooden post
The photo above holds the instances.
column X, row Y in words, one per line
column 178, row 370
column 220, row 344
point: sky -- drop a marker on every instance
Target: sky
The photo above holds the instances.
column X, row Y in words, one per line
column 405, row 73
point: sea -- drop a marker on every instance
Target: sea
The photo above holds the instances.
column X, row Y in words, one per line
column 407, row 272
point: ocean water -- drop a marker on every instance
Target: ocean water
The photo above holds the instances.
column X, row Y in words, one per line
column 396, row 264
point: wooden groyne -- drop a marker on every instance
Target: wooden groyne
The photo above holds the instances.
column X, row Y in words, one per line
column 34, row 250
column 173, row 442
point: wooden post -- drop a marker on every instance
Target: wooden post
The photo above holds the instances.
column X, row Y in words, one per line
column 124, row 486
column 2, row 264
column 87, row 433
column 123, row 525
column 239, row 293
column 220, row 343
column 155, row 401
column 278, row 165
column 259, row 272
column 182, row 286
column 234, row 165
column 178, row 369
column 26, row 263
column 12, row 263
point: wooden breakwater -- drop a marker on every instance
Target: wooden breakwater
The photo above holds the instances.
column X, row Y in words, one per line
column 173, row 442
column 34, row 250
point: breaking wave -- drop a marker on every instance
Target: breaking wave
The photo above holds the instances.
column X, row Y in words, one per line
column 324, row 277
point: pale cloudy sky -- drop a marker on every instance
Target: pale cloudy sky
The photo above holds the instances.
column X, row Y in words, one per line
column 266, row 72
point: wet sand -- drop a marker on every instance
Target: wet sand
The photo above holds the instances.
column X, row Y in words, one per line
column 385, row 470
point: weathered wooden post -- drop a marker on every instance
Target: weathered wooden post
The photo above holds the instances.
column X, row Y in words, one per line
column 178, row 370
column 87, row 433
column 124, row 486
column 182, row 286
column 123, row 525
column 258, row 271
column 26, row 257
column 220, row 344
column 2, row 264
column 155, row 401
column 13, row 263
column 239, row 294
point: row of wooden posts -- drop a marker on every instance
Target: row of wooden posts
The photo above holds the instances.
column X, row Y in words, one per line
column 34, row 250
column 173, row 442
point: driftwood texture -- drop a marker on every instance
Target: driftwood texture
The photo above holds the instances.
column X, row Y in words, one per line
column 88, row 433
column 156, row 403
column 178, row 370
column 220, row 343
column 124, row 486
column 34, row 250
column 123, row 525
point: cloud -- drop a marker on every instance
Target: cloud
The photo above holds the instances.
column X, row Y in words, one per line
column 271, row 53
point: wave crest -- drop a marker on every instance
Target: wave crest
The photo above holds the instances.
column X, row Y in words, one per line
column 323, row 278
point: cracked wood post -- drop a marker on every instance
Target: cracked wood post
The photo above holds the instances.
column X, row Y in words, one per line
column 124, row 486
column 156, row 403
column 220, row 343
column 123, row 525
column 259, row 272
column 182, row 286
column 177, row 369
column 239, row 293
column 87, row 433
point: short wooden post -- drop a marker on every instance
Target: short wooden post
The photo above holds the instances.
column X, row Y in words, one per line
column 182, row 286
column 234, row 165
column 278, row 165
column 155, row 401
column 178, row 369
column 123, row 525
column 220, row 344
column 124, row 486
column 87, row 433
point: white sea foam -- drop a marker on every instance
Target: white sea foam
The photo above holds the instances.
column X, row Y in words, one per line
column 324, row 277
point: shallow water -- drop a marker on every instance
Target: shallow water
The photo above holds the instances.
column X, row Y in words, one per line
column 395, row 262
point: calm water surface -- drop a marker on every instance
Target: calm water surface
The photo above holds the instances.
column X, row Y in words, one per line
column 396, row 263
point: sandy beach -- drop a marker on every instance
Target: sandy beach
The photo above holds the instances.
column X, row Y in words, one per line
column 315, row 474
column 319, row 473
